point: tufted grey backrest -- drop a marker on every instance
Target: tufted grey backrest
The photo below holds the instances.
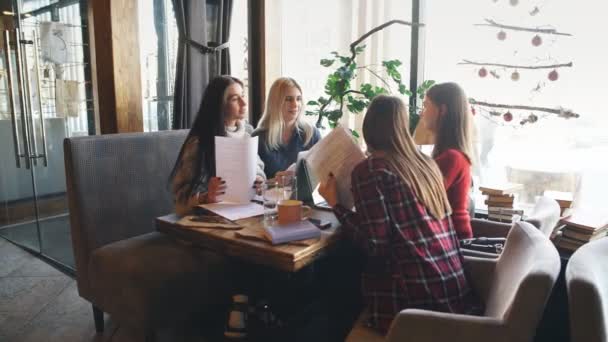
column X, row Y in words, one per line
column 117, row 184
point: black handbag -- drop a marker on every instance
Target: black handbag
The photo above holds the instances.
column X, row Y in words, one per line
column 484, row 244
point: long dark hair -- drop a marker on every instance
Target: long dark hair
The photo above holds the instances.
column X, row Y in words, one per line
column 209, row 123
column 454, row 127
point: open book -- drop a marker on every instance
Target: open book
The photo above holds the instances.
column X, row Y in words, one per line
column 300, row 230
column 339, row 154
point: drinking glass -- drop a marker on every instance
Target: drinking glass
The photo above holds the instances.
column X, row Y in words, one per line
column 289, row 184
column 272, row 193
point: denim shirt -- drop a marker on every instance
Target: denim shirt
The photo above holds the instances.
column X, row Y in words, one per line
column 285, row 155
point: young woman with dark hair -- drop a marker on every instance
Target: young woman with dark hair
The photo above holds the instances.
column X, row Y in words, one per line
column 222, row 113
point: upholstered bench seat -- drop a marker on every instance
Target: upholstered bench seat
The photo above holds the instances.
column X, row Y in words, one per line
column 157, row 280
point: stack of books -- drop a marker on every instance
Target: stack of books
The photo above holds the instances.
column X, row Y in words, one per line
column 500, row 198
column 563, row 198
column 581, row 227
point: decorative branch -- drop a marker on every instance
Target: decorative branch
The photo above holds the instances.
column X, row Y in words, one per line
column 380, row 78
column 354, row 44
column 552, row 66
column 559, row 112
column 493, row 23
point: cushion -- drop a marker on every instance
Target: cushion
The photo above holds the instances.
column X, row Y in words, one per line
column 157, row 281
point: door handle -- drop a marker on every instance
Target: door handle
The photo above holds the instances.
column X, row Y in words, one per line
column 42, row 127
column 22, row 105
column 9, row 72
column 29, row 105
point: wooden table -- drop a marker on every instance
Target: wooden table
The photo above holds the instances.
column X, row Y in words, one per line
column 286, row 257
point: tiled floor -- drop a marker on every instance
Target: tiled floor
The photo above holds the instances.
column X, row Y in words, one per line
column 39, row 303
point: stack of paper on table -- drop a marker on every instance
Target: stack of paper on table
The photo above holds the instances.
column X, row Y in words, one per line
column 337, row 153
column 301, row 230
column 500, row 198
column 581, row 227
column 208, row 221
column 235, row 211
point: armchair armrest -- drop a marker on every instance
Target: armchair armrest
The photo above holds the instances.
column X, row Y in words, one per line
column 480, row 272
column 487, row 228
column 422, row 325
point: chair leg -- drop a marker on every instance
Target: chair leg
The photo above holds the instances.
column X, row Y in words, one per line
column 98, row 316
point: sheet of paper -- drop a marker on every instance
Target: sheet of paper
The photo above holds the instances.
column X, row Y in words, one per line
column 53, row 42
column 235, row 162
column 235, row 211
column 339, row 154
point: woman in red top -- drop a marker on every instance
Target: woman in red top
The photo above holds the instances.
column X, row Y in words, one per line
column 446, row 113
column 402, row 223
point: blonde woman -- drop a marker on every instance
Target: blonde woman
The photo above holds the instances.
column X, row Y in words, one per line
column 402, row 223
column 446, row 113
column 282, row 131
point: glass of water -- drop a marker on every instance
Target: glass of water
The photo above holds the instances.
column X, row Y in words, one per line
column 272, row 193
column 289, row 183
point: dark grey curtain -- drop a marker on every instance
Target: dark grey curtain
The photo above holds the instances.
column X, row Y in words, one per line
column 202, row 54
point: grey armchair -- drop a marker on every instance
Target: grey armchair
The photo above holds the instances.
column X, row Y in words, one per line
column 515, row 288
column 587, row 282
column 117, row 184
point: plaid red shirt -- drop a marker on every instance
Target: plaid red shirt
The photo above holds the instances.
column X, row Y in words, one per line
column 413, row 260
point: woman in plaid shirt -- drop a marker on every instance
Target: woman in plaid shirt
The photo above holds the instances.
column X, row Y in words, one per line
column 402, row 222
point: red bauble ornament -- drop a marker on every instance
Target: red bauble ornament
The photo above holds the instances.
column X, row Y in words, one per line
column 537, row 40
column 473, row 111
column 483, row 72
column 507, row 116
column 553, row 75
column 502, row 35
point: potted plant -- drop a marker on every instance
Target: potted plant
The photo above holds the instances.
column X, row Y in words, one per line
column 340, row 92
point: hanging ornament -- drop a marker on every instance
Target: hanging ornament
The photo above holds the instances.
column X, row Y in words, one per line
column 515, row 76
column 534, row 11
column 473, row 111
column 537, row 40
column 532, row 118
column 483, row 72
column 514, row 2
column 494, row 74
column 507, row 116
column 502, row 35
column 553, row 75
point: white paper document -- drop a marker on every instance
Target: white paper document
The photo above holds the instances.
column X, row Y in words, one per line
column 339, row 154
column 235, row 163
column 235, row 211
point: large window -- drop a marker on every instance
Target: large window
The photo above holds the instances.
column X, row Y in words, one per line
column 301, row 33
column 552, row 153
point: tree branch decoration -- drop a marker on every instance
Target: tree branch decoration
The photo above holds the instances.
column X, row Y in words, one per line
column 338, row 92
column 532, row 118
column 492, row 23
column 551, row 66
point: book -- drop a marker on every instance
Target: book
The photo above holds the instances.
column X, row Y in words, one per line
column 505, row 211
column 498, row 204
column 586, row 220
column 501, row 199
column 510, row 218
column 584, row 237
column 208, row 221
column 563, row 198
column 569, row 244
column 300, row 230
column 337, row 153
column 500, row 189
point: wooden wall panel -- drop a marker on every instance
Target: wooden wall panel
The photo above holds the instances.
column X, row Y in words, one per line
column 117, row 87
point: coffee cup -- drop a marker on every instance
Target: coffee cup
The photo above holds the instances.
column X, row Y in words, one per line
column 292, row 211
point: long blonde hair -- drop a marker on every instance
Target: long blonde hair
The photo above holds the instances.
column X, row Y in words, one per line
column 272, row 120
column 454, row 127
column 386, row 129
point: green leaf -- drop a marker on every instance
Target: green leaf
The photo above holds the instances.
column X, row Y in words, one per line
column 327, row 62
column 312, row 112
column 428, row 83
column 359, row 49
column 354, row 133
column 322, row 100
column 344, row 59
column 403, row 90
column 312, row 103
